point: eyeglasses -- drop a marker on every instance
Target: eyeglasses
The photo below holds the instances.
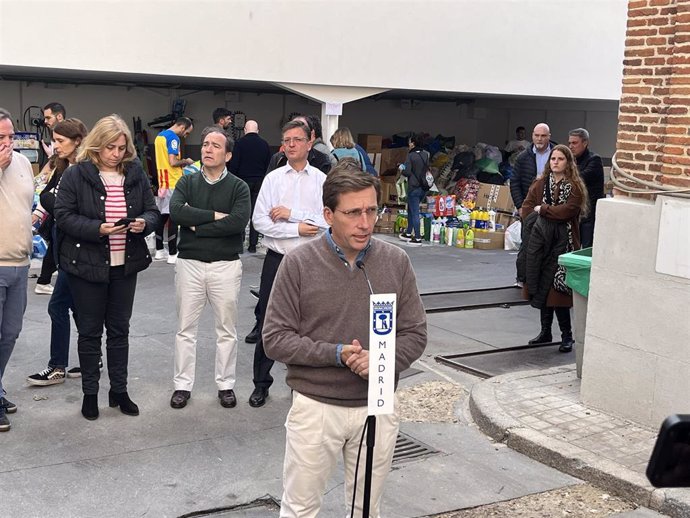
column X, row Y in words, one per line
column 293, row 140
column 372, row 213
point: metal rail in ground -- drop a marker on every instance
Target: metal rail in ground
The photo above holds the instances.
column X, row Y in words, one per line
column 463, row 300
column 451, row 359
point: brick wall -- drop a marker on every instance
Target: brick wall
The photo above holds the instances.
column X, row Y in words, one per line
column 654, row 116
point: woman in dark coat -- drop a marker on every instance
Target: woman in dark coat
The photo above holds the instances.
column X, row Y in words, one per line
column 103, row 210
column 68, row 135
column 560, row 197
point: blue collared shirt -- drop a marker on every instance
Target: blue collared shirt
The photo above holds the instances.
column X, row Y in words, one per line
column 542, row 158
column 338, row 251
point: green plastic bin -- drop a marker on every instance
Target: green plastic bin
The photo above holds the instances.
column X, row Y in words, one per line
column 578, row 266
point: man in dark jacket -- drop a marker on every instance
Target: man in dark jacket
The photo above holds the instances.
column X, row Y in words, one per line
column 249, row 162
column 592, row 172
column 530, row 163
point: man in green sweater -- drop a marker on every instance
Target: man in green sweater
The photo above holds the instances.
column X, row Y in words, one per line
column 317, row 323
column 16, row 198
column 212, row 208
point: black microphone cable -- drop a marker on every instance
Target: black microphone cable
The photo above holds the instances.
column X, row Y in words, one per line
column 360, row 265
column 359, row 455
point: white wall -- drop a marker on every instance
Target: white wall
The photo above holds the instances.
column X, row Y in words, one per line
column 637, row 343
column 558, row 48
column 492, row 121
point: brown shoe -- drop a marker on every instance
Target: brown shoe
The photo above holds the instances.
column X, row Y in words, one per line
column 179, row 398
column 227, row 398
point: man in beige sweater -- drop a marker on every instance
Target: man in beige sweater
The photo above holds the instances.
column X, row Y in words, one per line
column 16, row 199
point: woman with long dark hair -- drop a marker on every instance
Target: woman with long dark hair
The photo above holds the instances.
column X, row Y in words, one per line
column 104, row 209
column 552, row 210
column 68, row 136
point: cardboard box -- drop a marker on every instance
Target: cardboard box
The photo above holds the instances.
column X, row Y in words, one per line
column 495, row 197
column 389, row 193
column 505, row 219
column 375, row 159
column 489, row 240
column 391, row 214
column 370, row 143
column 385, row 227
column 390, row 159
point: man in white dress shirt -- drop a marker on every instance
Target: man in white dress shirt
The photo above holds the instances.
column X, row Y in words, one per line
column 288, row 212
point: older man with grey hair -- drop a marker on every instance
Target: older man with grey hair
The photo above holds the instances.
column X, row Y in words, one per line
column 16, row 198
column 592, row 172
column 530, row 163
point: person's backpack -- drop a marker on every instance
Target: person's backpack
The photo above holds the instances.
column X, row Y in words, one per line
column 427, row 180
column 340, row 153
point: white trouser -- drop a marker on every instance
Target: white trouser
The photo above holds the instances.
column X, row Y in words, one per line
column 197, row 282
column 316, row 434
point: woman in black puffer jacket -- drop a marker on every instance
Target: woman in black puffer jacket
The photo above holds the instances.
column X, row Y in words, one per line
column 102, row 258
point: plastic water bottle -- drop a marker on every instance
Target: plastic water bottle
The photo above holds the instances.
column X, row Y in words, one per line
column 492, row 220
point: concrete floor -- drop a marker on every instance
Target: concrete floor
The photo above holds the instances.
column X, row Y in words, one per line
column 168, row 463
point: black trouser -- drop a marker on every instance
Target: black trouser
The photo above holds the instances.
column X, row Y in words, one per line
column 254, row 188
column 172, row 234
column 563, row 316
column 587, row 233
column 262, row 363
column 99, row 304
column 48, row 267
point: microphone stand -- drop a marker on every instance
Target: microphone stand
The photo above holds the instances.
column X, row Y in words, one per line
column 371, row 442
column 371, row 435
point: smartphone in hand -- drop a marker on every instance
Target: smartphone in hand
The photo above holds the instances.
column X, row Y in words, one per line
column 124, row 221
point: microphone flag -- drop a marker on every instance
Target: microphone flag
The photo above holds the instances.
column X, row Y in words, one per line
column 382, row 326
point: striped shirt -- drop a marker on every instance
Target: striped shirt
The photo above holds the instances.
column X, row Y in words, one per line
column 115, row 208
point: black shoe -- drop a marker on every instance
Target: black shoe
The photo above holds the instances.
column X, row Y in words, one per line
column 254, row 293
column 179, row 398
column 251, row 249
column 253, row 336
column 9, row 407
column 258, row 397
column 4, row 422
column 227, row 398
column 541, row 338
column 127, row 406
column 89, row 407
column 567, row 344
column 75, row 372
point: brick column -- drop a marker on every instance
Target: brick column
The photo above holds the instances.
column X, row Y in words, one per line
column 654, row 119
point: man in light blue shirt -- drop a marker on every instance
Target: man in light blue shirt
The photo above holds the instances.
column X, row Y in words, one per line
column 530, row 163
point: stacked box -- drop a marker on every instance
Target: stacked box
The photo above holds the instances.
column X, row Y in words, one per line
column 489, row 240
column 370, row 143
column 390, row 159
column 495, row 197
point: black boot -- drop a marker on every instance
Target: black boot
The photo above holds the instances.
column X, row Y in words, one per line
column 567, row 342
column 89, row 407
column 127, row 406
column 544, row 337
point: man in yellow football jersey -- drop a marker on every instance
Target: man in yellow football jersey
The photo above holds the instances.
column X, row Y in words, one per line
column 169, row 163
